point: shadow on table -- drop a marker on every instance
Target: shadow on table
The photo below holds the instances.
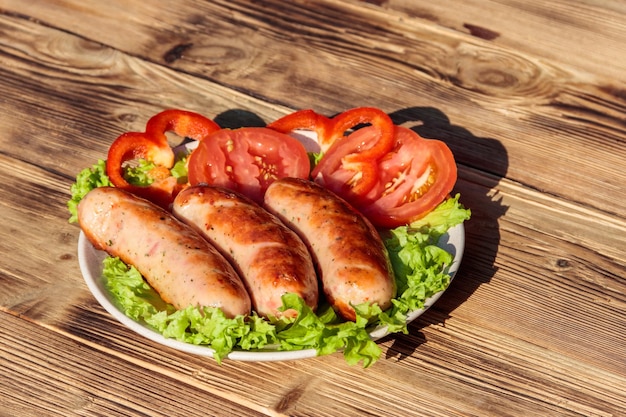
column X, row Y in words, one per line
column 236, row 118
column 482, row 162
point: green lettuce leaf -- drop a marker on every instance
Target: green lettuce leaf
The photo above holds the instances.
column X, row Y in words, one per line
column 86, row 180
column 179, row 170
column 420, row 266
column 314, row 158
column 138, row 173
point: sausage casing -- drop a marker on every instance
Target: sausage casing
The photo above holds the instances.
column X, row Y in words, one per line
column 270, row 258
column 349, row 254
column 174, row 259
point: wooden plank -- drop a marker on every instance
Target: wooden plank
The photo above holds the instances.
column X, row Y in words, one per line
column 500, row 110
column 558, row 286
column 442, row 366
column 536, row 27
column 94, row 100
column 90, row 381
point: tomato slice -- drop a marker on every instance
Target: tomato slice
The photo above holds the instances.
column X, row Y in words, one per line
column 412, row 178
column 247, row 160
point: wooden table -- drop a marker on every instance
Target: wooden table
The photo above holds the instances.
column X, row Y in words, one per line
column 529, row 95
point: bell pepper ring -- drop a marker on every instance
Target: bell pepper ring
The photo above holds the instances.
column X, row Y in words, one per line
column 152, row 145
column 349, row 119
column 330, row 130
column 137, row 145
column 184, row 123
column 305, row 120
column 361, row 161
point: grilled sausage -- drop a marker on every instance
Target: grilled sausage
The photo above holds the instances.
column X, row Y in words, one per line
column 349, row 254
column 174, row 259
column 270, row 258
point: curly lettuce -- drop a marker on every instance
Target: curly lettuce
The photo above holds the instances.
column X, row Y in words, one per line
column 420, row 266
column 86, row 180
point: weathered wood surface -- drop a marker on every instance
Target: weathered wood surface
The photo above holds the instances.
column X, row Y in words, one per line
column 534, row 324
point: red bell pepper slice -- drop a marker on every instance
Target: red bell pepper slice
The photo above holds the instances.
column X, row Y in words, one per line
column 138, row 145
column 305, row 120
column 330, row 134
column 152, row 145
column 363, row 162
column 330, row 130
column 183, row 123
column 365, row 115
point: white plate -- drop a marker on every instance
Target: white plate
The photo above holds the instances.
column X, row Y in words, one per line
column 90, row 261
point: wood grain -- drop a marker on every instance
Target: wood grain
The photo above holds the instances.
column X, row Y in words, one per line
column 421, row 70
column 592, row 27
column 533, row 323
column 50, row 382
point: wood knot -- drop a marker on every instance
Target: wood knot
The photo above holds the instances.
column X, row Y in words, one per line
column 497, row 78
column 481, row 32
column 563, row 264
column 176, row 52
column 497, row 73
column 375, row 2
column 290, row 398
